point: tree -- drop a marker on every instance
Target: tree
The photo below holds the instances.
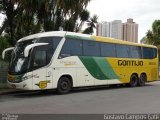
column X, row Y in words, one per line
column 9, row 8
column 25, row 17
column 3, row 44
column 72, row 11
column 153, row 36
column 91, row 25
column 26, row 25
column 55, row 14
column 84, row 16
column 144, row 40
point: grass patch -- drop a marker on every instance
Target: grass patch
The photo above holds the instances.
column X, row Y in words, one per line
column 3, row 63
column 3, row 86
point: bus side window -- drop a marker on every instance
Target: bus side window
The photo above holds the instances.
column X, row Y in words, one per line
column 148, row 53
column 155, row 52
column 135, row 52
column 108, row 50
column 122, row 51
column 71, row 47
column 91, row 48
column 65, row 51
column 76, row 48
column 40, row 59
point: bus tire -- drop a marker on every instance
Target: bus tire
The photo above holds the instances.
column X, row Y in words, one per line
column 142, row 80
column 64, row 85
column 133, row 80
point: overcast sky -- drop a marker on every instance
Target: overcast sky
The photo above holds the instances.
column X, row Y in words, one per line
column 144, row 12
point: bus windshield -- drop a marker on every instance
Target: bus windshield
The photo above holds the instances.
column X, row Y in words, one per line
column 19, row 63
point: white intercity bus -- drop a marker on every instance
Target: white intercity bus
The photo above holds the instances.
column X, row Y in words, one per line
column 63, row 60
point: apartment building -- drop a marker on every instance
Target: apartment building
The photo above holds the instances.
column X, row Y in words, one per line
column 116, row 29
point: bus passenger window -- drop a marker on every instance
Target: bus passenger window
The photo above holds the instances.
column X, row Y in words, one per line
column 76, row 48
column 91, row 48
column 108, row 50
column 65, row 52
column 155, row 52
column 123, row 51
column 71, row 48
column 148, row 53
column 135, row 52
column 40, row 59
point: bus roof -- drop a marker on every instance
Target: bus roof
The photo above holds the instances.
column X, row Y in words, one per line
column 112, row 40
column 81, row 36
column 43, row 34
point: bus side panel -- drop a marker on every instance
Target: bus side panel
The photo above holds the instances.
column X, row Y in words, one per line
column 150, row 67
column 125, row 67
column 100, row 69
column 73, row 67
column 26, row 83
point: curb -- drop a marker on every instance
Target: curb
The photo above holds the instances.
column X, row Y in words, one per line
column 8, row 91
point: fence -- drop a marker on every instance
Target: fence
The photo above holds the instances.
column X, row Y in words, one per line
column 3, row 74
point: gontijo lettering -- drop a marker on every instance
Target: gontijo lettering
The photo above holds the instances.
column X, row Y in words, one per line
column 130, row 63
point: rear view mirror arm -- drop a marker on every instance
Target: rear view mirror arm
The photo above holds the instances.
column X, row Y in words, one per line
column 4, row 51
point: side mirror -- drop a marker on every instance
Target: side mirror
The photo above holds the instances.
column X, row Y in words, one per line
column 6, row 50
column 29, row 47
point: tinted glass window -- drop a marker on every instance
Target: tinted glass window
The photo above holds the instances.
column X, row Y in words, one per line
column 46, row 40
column 76, row 48
column 155, row 52
column 42, row 55
column 19, row 64
column 71, row 47
column 91, row 48
column 108, row 50
column 53, row 41
column 135, row 52
column 149, row 53
column 122, row 51
column 40, row 59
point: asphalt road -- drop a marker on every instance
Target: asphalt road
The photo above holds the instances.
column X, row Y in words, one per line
column 93, row 101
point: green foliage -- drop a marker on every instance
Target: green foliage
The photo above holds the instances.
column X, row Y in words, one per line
column 156, row 27
column 3, row 44
column 69, row 25
column 84, row 15
column 144, row 40
column 26, row 17
column 153, row 36
column 91, row 25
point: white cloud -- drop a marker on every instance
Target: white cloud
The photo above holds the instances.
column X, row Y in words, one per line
column 144, row 12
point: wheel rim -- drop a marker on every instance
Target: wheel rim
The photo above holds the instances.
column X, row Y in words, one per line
column 133, row 81
column 64, row 85
column 142, row 80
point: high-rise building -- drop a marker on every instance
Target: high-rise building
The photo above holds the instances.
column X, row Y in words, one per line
column 116, row 29
column 103, row 29
column 110, row 29
column 130, row 31
column 99, row 29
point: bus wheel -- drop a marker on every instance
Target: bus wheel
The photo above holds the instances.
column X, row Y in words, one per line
column 64, row 85
column 133, row 80
column 142, row 80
